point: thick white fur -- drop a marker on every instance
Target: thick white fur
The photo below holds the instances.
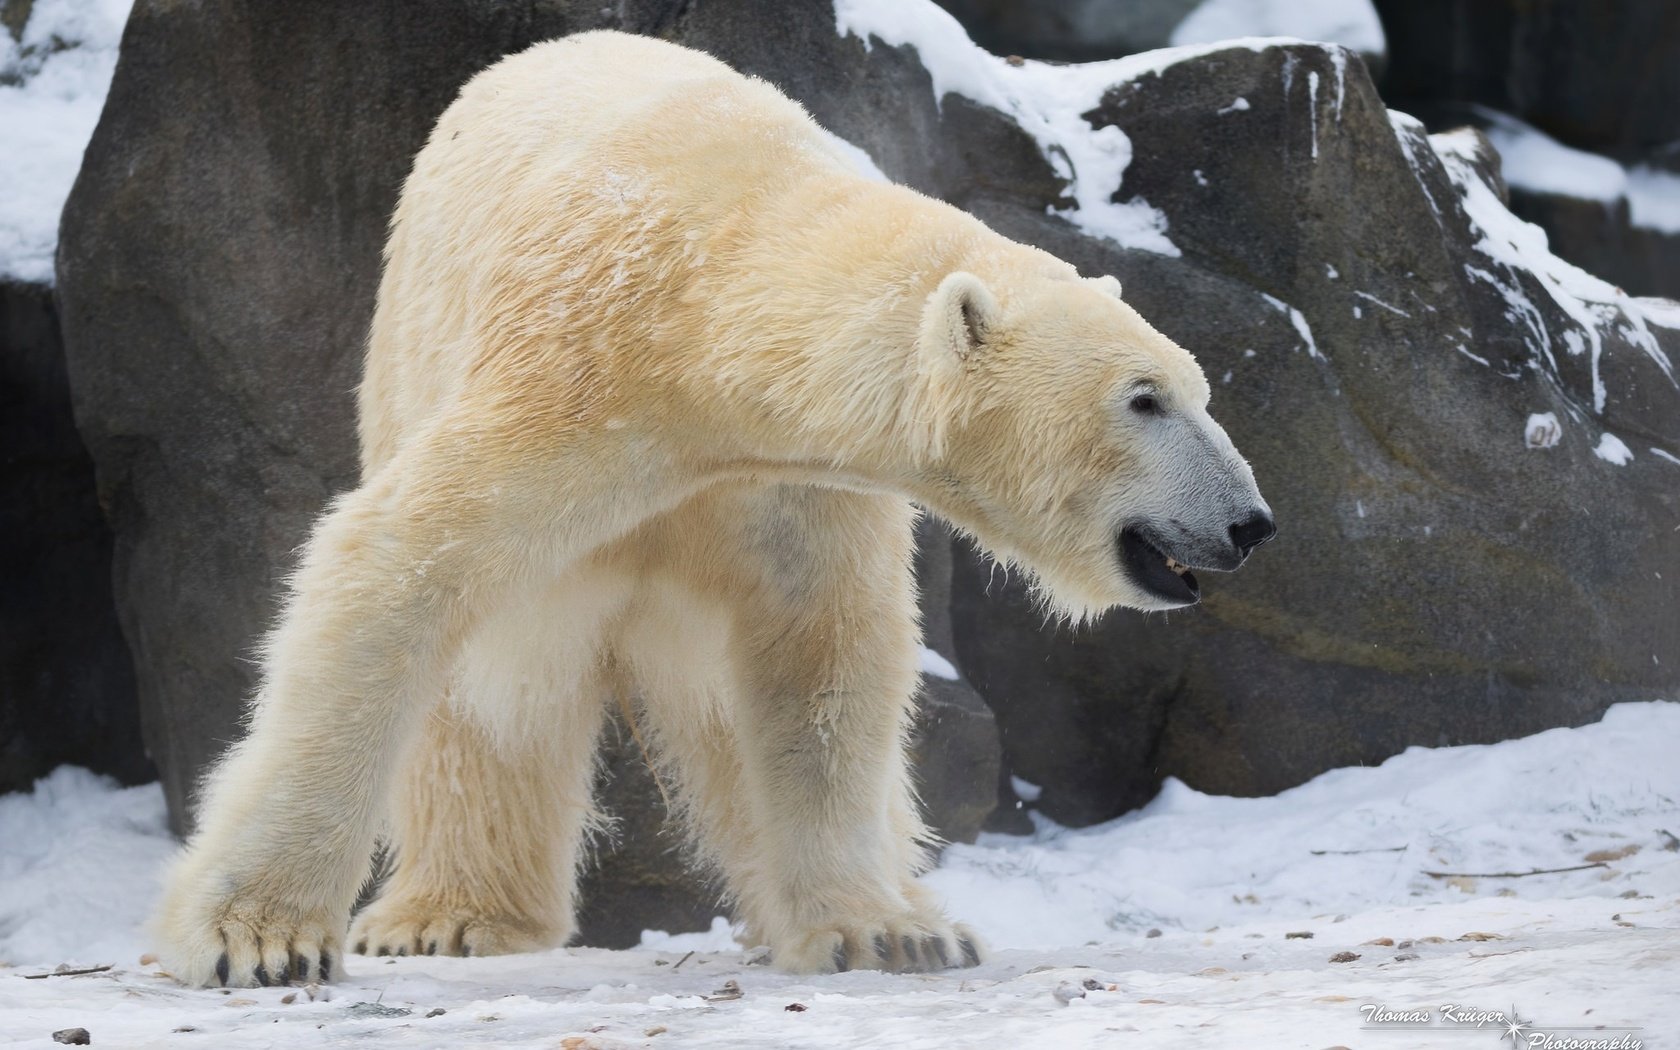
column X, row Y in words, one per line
column 651, row 384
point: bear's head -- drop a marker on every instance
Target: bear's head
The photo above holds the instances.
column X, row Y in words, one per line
column 1068, row 435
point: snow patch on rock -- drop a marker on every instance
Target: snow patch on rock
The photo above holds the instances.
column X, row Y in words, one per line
column 56, row 77
column 1534, row 161
column 1654, row 199
column 1048, row 101
column 930, row 662
column 1543, row 430
column 1612, row 449
column 1538, row 163
column 1351, row 23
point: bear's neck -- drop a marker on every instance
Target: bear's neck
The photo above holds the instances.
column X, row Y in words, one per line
column 818, row 337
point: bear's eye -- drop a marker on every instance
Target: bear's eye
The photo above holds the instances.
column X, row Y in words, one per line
column 1146, row 404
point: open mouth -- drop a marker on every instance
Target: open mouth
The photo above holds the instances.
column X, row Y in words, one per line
column 1156, row 571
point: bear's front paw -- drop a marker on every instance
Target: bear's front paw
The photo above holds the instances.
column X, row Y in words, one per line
column 413, row 926
column 239, row 946
column 907, row 944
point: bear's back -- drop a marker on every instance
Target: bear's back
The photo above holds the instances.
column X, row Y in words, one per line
column 565, row 183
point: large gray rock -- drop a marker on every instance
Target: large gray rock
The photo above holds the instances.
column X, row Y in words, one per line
column 1435, row 580
column 66, row 682
column 217, row 268
column 1090, row 30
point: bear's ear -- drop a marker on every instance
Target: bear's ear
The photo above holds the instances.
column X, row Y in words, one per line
column 957, row 316
column 1106, row 284
column 955, row 325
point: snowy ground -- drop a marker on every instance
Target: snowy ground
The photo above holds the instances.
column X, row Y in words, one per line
column 1198, row 921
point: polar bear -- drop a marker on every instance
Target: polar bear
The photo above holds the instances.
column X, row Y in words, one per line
column 654, row 382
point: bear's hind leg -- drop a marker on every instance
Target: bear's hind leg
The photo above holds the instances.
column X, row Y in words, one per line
column 394, row 579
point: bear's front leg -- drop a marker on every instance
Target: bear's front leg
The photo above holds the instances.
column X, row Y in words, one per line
column 262, row 894
column 826, row 662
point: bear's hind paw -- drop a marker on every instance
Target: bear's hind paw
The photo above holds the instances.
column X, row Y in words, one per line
column 395, row 927
column 897, row 946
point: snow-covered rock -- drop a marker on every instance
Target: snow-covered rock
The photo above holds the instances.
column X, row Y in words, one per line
column 1092, row 30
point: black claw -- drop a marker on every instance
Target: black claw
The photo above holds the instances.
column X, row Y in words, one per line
column 261, row 974
column 431, row 949
column 882, row 949
column 284, row 977
column 222, row 969
column 910, row 953
column 938, row 945
column 971, row 954
column 301, row 965
column 840, row 964
column 361, row 948
column 401, row 950
column 466, row 949
column 384, row 950
column 326, row 965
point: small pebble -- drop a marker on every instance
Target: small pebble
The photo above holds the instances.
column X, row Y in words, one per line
column 73, row 1036
column 436, row 1011
column 1153, row 933
column 1298, row 935
column 795, row 1008
column 1341, row 957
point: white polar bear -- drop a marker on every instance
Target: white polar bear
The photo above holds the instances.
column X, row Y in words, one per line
column 653, row 380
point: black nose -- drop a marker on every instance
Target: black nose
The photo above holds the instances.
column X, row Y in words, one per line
column 1252, row 533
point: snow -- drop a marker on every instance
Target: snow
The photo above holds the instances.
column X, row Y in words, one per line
column 1048, row 101
column 1533, row 160
column 62, row 67
column 1543, row 430
column 1612, row 449
column 1297, row 321
column 1352, row 23
column 1390, row 307
column 1025, row 790
column 932, row 663
column 1179, row 925
column 1654, row 199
